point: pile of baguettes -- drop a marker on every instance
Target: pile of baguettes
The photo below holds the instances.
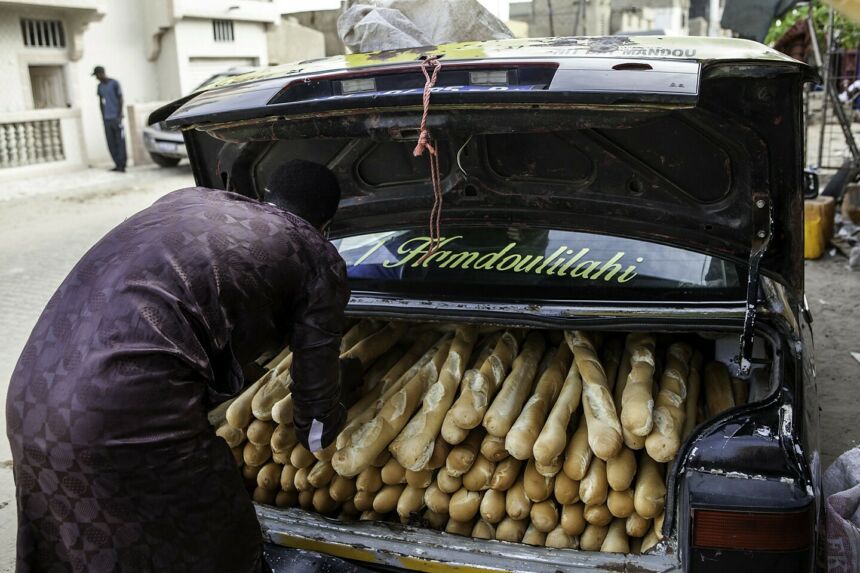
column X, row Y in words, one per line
column 542, row 437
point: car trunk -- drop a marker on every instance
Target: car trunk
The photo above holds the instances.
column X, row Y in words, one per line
column 411, row 542
column 694, row 195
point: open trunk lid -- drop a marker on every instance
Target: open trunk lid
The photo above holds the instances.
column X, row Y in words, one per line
column 688, row 142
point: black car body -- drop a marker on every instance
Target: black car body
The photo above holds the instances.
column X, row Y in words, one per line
column 677, row 145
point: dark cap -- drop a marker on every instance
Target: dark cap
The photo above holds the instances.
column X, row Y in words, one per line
column 98, row 70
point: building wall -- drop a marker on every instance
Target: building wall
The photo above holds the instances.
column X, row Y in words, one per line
column 292, row 42
column 563, row 17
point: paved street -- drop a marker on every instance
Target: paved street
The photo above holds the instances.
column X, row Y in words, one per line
column 47, row 224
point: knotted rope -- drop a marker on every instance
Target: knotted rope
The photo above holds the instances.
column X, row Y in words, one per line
column 425, row 143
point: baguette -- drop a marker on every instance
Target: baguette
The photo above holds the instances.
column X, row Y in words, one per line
column 637, row 401
column 649, row 495
column 282, row 411
column 511, row 529
column 509, row 400
column 616, row 540
column 463, row 528
column 382, row 459
column 658, row 525
column 386, row 499
column 301, row 479
column 604, row 429
column 260, row 433
column 256, row 456
column 440, row 454
column 621, row 470
column 325, row 454
column 492, row 507
column 536, row 486
column 594, row 488
column 718, row 389
column 464, row 504
column 522, row 436
column 420, row 479
column 633, row 441
column 274, row 390
column 435, row 520
column 372, row 347
column 597, row 514
column 269, row 476
column 560, row 539
column 301, row 457
column 534, row 537
column 249, row 473
column 649, row 541
column 578, row 454
column 264, row 496
column 321, row 474
column 665, row 438
column 393, row 473
column 566, row 490
column 592, row 537
column 621, row 378
column 306, row 499
column 551, row 470
column 479, row 386
column 493, row 448
column 620, row 503
column 370, row 515
column 323, row 502
column 369, row 406
column 363, row 500
column 382, row 366
column 573, row 518
column 238, row 456
column 341, row 489
column 348, row 511
column 233, row 436
column 461, row 457
column 419, row 348
column 370, row 480
column 611, row 355
column 506, row 474
column 288, row 478
column 372, row 437
column 448, row 483
column 544, row 516
column 517, row 504
column 283, row 439
column 552, row 440
column 410, row 501
column 483, row 530
column 239, row 413
column 287, row 498
column 479, row 475
column 694, row 390
column 436, row 500
column 414, row 446
column 636, row 525
column 362, row 329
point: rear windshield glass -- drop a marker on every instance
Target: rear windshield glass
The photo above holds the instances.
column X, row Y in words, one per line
column 534, row 264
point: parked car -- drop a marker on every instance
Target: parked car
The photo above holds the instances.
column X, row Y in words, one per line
column 165, row 145
column 682, row 154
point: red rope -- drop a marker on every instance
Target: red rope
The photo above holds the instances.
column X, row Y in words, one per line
column 424, row 142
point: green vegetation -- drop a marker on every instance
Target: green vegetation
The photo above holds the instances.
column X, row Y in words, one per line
column 847, row 32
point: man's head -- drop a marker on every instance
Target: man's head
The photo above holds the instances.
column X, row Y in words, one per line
column 306, row 189
column 99, row 73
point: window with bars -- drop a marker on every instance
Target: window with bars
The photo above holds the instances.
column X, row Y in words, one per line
column 43, row 33
column 222, row 30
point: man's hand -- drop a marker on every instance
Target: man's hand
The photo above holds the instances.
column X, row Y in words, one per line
column 315, row 434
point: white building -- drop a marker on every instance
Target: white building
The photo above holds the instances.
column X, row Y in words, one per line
column 157, row 49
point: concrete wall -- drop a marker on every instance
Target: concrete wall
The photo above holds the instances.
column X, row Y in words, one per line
column 564, row 17
column 324, row 21
column 292, row 42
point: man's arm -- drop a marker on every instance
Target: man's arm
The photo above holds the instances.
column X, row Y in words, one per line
column 318, row 325
column 119, row 98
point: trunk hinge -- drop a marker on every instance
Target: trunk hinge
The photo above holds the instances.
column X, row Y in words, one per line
column 762, row 225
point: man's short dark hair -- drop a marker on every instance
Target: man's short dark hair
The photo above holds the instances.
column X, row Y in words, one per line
column 304, row 188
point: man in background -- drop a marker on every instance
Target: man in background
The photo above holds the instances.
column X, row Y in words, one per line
column 110, row 101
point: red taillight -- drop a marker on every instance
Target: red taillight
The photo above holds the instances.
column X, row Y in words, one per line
column 788, row 531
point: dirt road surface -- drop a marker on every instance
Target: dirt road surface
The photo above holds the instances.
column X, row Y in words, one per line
column 44, row 231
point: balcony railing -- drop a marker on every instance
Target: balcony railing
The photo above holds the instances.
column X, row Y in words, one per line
column 30, row 142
